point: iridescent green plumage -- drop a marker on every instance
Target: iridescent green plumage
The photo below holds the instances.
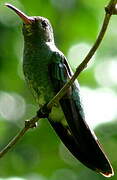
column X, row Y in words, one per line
column 35, row 70
column 46, row 71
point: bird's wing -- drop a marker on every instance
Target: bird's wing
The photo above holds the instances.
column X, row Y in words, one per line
column 77, row 136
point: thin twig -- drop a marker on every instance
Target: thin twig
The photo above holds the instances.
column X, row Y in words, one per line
column 84, row 63
column 13, row 142
column 32, row 123
column 112, row 7
column 28, row 124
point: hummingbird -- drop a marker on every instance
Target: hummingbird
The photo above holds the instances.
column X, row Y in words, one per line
column 46, row 71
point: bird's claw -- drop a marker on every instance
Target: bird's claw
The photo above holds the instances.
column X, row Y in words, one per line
column 43, row 112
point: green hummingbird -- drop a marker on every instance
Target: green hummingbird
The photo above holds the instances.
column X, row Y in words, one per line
column 46, row 71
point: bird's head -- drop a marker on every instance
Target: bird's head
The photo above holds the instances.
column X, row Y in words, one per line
column 35, row 28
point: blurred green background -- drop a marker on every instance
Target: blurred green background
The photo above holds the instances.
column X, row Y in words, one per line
column 40, row 155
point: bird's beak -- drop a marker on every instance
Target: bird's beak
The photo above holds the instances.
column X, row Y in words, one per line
column 26, row 19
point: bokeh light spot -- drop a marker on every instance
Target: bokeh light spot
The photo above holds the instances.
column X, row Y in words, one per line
column 14, row 178
column 12, row 106
column 100, row 105
column 36, row 177
column 77, row 53
column 64, row 174
column 106, row 72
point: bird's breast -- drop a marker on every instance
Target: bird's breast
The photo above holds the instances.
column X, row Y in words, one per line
column 36, row 72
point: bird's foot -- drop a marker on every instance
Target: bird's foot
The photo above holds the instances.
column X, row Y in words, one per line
column 43, row 112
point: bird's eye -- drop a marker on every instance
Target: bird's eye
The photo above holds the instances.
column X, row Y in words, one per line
column 44, row 24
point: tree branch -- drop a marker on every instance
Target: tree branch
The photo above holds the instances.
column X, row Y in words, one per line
column 28, row 124
column 110, row 10
column 13, row 142
column 83, row 64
